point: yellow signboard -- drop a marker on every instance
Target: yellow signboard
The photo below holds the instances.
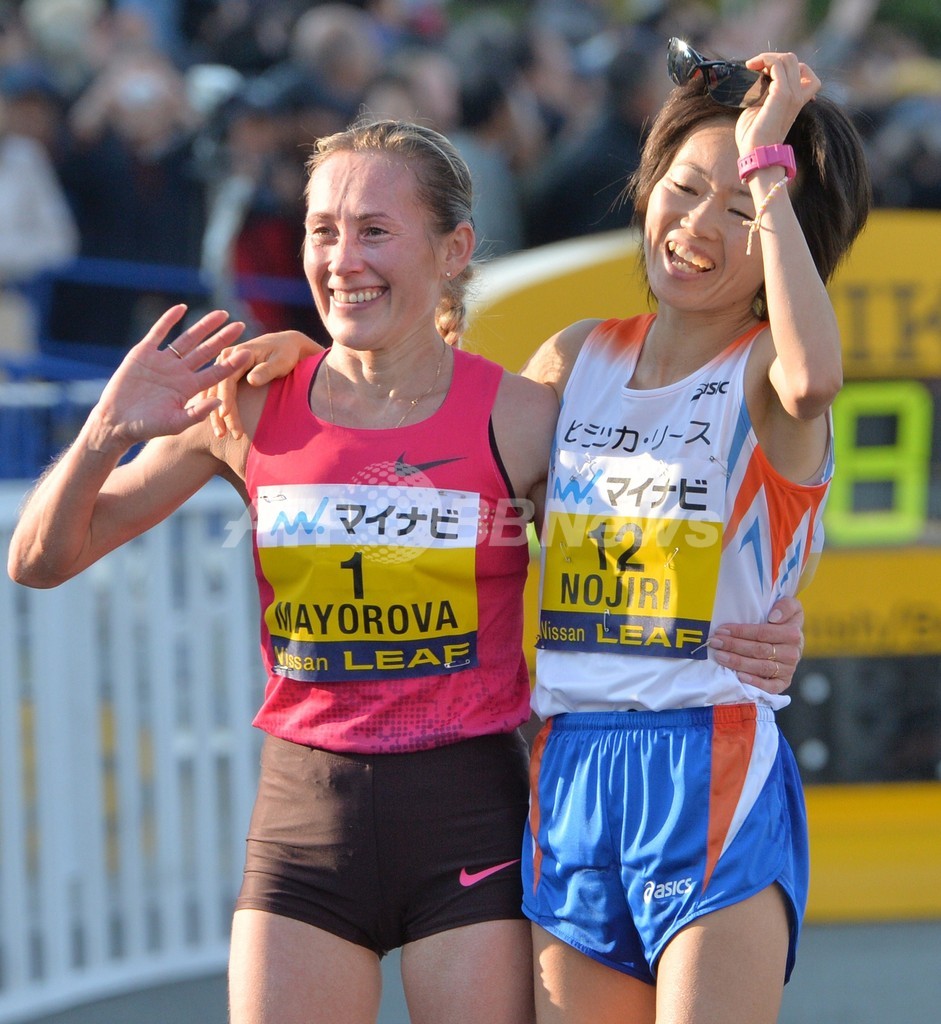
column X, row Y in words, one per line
column 887, row 297
column 874, row 603
column 875, row 852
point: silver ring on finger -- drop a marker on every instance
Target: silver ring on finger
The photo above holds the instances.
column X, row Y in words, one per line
column 176, row 352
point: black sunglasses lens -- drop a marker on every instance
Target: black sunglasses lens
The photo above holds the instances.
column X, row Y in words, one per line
column 682, row 62
column 740, row 88
column 731, row 84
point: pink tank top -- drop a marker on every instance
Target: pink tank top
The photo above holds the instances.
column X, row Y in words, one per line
column 390, row 567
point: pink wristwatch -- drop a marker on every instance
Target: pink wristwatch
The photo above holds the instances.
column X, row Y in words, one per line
column 768, row 156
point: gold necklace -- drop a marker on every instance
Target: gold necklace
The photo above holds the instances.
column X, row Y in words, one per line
column 413, row 402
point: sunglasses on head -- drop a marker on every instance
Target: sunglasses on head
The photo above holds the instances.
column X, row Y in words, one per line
column 727, row 82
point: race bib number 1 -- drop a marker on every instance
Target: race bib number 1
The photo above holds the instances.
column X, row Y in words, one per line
column 369, row 581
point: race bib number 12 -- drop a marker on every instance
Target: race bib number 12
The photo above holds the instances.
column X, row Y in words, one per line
column 631, row 564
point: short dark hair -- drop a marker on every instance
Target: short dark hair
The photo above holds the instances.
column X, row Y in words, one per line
column 832, row 194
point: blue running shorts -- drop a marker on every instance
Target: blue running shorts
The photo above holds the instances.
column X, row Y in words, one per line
column 642, row 821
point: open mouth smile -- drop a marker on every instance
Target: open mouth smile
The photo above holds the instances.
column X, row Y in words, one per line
column 685, row 259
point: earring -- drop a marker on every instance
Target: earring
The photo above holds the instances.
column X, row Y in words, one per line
column 447, row 273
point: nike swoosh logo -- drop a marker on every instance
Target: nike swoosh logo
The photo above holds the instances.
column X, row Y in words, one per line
column 403, row 468
column 469, row 878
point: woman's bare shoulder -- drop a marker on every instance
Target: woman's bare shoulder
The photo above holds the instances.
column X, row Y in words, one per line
column 552, row 362
column 524, row 419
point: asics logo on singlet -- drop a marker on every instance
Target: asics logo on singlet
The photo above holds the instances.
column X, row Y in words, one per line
column 712, row 387
column 664, row 890
column 403, row 468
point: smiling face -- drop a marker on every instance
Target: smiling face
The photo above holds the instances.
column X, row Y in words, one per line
column 373, row 261
column 694, row 238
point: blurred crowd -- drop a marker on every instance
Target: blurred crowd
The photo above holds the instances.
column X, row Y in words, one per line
column 174, row 133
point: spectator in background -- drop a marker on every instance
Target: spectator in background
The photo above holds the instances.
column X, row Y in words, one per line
column 340, row 46
column 131, row 178
column 896, row 83
column 255, row 222
column 242, row 148
column 500, row 132
column 905, row 153
column 390, row 96
column 432, row 79
column 67, row 36
column 34, row 107
column 249, row 36
column 487, row 44
column 401, row 24
column 160, row 22
column 579, row 189
column 577, row 20
column 484, row 139
column 548, row 72
column 37, row 231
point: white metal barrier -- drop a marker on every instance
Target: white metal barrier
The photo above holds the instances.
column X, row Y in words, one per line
column 127, row 760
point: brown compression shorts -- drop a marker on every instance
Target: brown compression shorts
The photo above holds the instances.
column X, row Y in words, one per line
column 384, row 849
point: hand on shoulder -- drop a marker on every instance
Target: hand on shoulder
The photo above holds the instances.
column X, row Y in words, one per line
column 270, row 356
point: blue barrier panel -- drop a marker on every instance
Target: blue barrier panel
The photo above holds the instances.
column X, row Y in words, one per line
column 57, row 358
column 37, row 420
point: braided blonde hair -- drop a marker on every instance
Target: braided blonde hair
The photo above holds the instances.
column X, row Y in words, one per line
column 444, row 188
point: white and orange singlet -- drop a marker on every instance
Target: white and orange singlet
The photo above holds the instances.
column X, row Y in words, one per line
column 663, row 518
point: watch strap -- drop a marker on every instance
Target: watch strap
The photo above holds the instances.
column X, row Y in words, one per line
column 778, row 155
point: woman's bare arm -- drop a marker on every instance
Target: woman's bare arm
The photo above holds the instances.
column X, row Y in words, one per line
column 86, row 504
